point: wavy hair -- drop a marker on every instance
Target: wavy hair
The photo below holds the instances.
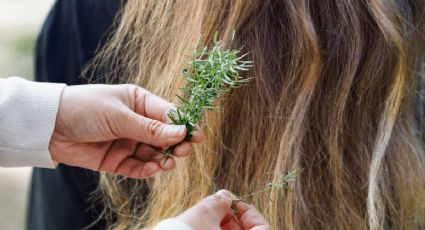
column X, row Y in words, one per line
column 334, row 93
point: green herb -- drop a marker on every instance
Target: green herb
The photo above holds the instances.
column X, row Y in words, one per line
column 280, row 186
column 212, row 73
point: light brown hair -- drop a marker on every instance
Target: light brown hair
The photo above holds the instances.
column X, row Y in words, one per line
column 334, row 93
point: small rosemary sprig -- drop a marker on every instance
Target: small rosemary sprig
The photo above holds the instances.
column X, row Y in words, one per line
column 212, row 72
column 280, row 185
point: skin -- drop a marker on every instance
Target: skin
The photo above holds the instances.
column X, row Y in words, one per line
column 122, row 129
column 214, row 213
column 119, row 129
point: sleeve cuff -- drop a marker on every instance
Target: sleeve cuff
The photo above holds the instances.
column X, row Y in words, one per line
column 27, row 119
column 173, row 224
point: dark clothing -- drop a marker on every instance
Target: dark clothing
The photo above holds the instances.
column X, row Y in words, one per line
column 73, row 30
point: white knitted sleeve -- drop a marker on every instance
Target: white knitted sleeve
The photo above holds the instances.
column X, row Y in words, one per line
column 27, row 118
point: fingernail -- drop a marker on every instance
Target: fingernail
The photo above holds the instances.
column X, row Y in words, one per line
column 224, row 194
column 175, row 130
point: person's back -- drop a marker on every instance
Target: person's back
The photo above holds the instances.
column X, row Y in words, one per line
column 333, row 93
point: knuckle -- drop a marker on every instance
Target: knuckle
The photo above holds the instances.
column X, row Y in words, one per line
column 131, row 90
column 130, row 87
column 145, row 98
column 154, row 128
column 131, row 95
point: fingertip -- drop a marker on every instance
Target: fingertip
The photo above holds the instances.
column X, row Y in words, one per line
column 250, row 217
column 242, row 206
column 174, row 134
column 197, row 137
column 149, row 170
column 225, row 195
column 218, row 204
column 168, row 164
column 176, row 131
column 182, row 150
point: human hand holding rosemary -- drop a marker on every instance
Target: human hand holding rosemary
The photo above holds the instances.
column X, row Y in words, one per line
column 213, row 72
column 213, row 212
column 224, row 210
column 118, row 129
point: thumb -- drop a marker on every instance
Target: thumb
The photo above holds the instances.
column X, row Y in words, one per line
column 209, row 212
column 137, row 127
column 215, row 206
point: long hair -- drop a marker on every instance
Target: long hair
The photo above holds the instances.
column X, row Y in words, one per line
column 334, row 93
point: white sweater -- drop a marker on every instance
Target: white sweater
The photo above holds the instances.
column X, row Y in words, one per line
column 27, row 118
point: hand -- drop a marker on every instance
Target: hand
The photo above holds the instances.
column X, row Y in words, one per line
column 214, row 212
column 118, row 129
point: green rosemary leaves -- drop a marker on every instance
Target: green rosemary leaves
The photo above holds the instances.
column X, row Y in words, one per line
column 212, row 73
column 279, row 186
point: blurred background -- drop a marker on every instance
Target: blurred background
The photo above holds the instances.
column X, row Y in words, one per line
column 20, row 21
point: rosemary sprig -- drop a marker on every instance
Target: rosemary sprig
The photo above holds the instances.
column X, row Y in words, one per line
column 212, row 73
column 280, row 186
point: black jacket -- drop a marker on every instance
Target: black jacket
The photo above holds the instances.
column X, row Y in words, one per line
column 73, row 30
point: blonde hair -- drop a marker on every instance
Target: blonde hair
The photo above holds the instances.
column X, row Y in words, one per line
column 333, row 93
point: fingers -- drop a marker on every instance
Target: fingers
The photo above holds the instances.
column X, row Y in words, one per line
column 230, row 222
column 119, row 159
column 215, row 206
column 146, row 119
column 149, row 131
column 182, row 150
column 209, row 212
column 123, row 155
column 197, row 136
column 250, row 217
column 137, row 169
column 156, row 108
column 116, row 154
column 148, row 153
column 152, row 106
